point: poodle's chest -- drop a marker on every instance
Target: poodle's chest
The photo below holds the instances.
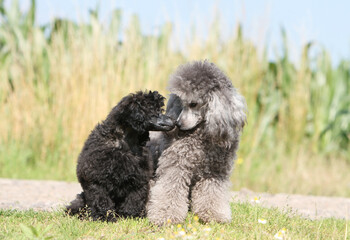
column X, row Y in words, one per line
column 201, row 157
column 217, row 162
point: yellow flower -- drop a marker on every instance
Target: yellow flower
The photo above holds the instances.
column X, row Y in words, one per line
column 239, row 161
column 179, row 226
column 168, row 221
column 196, row 218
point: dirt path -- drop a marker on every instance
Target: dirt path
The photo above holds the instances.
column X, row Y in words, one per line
column 50, row 195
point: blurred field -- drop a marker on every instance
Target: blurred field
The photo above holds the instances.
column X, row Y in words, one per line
column 57, row 81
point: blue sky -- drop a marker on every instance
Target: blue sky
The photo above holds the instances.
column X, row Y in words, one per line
column 324, row 21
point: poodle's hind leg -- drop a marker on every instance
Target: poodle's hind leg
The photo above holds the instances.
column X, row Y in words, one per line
column 99, row 203
column 169, row 198
column 77, row 206
column 210, row 200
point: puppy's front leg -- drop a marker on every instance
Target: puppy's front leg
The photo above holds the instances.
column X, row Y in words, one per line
column 134, row 203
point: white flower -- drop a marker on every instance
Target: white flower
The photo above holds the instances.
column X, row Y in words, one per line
column 256, row 200
column 188, row 237
column 262, row 221
column 207, row 229
column 280, row 235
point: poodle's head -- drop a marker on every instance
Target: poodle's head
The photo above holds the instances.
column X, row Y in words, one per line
column 142, row 112
column 209, row 100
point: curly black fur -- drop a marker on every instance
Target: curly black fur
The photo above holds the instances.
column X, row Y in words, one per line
column 114, row 166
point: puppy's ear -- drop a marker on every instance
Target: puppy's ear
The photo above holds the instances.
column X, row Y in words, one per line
column 226, row 116
column 137, row 121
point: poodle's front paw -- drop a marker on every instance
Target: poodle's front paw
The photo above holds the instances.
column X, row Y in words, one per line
column 214, row 215
column 207, row 211
column 161, row 215
column 164, row 220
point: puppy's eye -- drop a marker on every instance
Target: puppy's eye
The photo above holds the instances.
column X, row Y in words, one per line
column 193, row 104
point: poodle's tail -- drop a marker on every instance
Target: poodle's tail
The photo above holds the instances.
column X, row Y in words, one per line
column 77, row 206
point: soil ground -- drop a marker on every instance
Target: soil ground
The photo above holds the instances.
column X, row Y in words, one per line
column 51, row 195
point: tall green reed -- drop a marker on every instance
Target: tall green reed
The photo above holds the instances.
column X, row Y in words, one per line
column 59, row 80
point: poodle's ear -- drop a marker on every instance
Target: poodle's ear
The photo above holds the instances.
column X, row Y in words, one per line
column 226, row 116
column 174, row 106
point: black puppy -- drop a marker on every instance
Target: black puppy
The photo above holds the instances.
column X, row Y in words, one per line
column 114, row 166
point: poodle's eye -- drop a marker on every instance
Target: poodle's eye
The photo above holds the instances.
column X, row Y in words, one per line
column 193, row 105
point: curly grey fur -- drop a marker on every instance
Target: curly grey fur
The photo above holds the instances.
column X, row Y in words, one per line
column 194, row 170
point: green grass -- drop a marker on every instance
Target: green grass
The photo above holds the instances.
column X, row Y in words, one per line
column 245, row 225
column 57, row 81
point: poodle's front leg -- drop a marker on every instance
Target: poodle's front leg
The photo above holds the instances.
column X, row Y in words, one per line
column 210, row 200
column 134, row 203
column 100, row 204
column 168, row 201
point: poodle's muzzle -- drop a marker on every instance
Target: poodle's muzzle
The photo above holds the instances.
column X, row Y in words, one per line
column 161, row 123
column 190, row 117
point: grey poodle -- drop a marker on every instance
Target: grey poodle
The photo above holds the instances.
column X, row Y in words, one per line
column 194, row 171
column 114, row 167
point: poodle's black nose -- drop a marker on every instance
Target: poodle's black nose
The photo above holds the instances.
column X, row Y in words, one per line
column 162, row 123
column 178, row 124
